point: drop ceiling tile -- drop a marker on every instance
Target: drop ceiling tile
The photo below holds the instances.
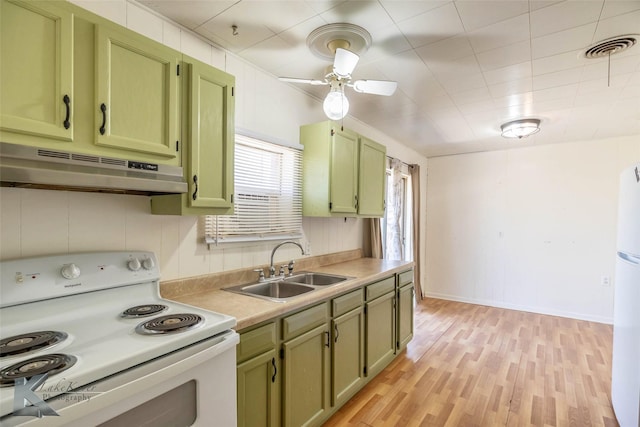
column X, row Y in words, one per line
column 577, row 38
column 477, row 107
column 271, row 54
column 385, row 41
column 320, row 6
column 189, row 13
column 559, row 62
column 596, row 98
column 504, row 56
column 249, row 33
column 509, row 73
column 605, row 86
column 539, row 4
column 559, row 92
column 455, row 68
column 367, row 14
column 563, row 16
column 514, row 99
column 503, row 33
column 628, row 23
column 619, row 7
column 432, row 26
column 462, row 83
column 471, row 96
column 478, row 14
column 501, row 90
column 298, row 33
column 443, row 52
column 559, row 78
column 599, row 68
column 401, row 10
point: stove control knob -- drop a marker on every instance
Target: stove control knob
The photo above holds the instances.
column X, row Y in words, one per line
column 70, row 271
column 134, row 264
column 148, row 263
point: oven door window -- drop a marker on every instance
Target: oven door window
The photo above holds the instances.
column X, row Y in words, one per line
column 175, row 408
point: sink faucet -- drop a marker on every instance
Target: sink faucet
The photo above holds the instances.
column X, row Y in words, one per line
column 272, row 269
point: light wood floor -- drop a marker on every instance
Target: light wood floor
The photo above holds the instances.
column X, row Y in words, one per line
column 472, row 365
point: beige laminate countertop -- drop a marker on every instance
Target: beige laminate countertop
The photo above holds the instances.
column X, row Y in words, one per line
column 250, row 311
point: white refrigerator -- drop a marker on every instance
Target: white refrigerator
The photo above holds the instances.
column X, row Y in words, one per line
column 625, row 378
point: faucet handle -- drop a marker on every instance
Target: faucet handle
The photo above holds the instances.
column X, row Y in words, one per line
column 260, row 274
column 290, row 267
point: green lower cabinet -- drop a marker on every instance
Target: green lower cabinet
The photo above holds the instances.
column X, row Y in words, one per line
column 405, row 316
column 347, row 373
column 306, row 378
column 258, row 391
column 381, row 334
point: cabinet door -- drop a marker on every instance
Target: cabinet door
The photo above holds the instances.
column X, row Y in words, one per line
column 380, row 331
column 347, row 373
column 258, row 397
column 36, row 70
column 306, row 377
column 211, row 136
column 405, row 316
column 137, row 83
column 344, row 172
column 372, row 178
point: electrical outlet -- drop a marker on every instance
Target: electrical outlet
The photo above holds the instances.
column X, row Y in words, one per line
column 606, row 281
column 307, row 248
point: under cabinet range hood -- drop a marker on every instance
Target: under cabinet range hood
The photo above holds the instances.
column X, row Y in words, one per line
column 33, row 167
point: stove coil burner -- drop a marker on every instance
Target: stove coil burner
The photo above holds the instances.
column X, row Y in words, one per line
column 30, row 342
column 143, row 311
column 170, row 324
column 49, row 363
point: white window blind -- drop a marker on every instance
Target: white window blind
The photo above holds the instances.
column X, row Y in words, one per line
column 267, row 195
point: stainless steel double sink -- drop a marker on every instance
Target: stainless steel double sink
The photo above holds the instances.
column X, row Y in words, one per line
column 280, row 289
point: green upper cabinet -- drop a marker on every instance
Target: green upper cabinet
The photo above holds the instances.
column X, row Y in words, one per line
column 208, row 153
column 343, row 172
column 36, row 70
column 372, row 178
column 137, row 100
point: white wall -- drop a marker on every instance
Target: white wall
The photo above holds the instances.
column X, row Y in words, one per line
column 39, row 222
column 530, row 228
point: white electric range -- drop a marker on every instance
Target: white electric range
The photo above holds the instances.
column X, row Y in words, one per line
column 90, row 335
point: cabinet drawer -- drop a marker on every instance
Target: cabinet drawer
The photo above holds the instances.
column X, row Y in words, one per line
column 380, row 288
column 405, row 277
column 256, row 341
column 346, row 302
column 304, row 321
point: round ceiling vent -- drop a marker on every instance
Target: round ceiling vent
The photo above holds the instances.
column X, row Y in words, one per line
column 324, row 41
column 611, row 46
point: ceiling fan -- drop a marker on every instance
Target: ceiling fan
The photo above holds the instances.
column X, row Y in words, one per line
column 336, row 104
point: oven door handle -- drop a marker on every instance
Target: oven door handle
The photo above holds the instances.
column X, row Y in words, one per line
column 76, row 414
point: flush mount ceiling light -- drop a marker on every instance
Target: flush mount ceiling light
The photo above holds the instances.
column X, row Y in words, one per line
column 342, row 43
column 520, row 128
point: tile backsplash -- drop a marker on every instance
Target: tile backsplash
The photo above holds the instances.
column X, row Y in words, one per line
column 44, row 222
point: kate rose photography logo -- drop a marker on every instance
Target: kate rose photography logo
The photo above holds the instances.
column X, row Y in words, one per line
column 27, row 403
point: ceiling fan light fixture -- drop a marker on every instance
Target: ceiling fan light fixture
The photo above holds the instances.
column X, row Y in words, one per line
column 336, row 104
column 521, row 128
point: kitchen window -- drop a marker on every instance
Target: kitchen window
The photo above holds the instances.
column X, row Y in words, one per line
column 267, row 195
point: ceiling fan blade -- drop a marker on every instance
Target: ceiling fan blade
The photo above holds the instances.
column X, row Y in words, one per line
column 307, row 81
column 344, row 62
column 375, row 87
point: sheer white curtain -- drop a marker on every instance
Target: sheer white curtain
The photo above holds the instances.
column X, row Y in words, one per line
column 394, row 245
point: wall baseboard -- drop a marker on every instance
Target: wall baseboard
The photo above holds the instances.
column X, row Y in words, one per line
column 518, row 307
